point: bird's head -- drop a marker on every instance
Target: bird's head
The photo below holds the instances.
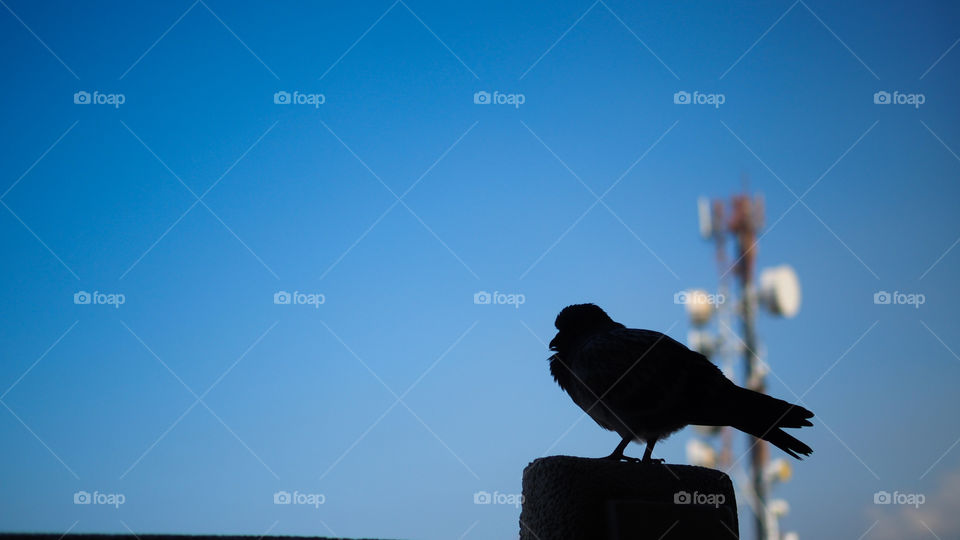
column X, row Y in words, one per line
column 580, row 321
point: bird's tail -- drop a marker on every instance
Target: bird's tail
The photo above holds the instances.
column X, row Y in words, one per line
column 762, row 416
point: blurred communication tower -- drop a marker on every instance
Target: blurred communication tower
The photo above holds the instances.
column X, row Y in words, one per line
column 777, row 291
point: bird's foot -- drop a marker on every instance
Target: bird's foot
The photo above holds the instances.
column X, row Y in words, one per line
column 659, row 461
column 621, row 457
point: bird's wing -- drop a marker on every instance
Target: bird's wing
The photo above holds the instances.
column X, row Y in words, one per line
column 646, row 374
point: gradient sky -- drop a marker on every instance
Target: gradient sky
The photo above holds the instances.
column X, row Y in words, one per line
column 398, row 398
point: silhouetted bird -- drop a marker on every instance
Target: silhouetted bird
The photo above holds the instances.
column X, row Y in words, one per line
column 645, row 385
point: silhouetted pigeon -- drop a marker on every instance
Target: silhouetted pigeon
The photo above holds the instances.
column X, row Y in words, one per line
column 645, row 385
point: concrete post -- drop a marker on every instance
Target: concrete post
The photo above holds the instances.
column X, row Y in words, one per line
column 594, row 499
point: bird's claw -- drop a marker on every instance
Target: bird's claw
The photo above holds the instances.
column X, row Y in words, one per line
column 659, row 461
column 621, row 457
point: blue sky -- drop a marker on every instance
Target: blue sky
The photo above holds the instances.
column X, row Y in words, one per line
column 398, row 398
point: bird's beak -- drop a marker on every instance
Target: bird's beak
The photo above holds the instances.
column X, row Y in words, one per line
column 553, row 343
